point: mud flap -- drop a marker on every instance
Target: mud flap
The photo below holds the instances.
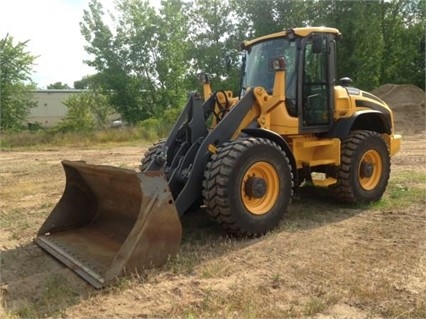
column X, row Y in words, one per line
column 111, row 222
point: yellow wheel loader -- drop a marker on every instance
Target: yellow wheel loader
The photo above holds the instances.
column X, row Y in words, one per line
column 244, row 157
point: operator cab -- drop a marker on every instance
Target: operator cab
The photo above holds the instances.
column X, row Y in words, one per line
column 309, row 55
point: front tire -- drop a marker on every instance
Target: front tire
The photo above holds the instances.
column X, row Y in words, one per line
column 248, row 186
column 150, row 154
column 365, row 168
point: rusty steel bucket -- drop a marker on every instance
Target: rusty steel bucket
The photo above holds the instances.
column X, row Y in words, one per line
column 111, row 222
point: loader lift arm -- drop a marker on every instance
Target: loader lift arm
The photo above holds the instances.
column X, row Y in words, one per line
column 185, row 153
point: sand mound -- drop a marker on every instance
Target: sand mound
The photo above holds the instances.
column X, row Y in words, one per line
column 407, row 101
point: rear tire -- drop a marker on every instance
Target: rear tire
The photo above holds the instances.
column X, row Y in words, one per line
column 365, row 168
column 248, row 186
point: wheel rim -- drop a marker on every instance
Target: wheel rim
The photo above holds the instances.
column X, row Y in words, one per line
column 263, row 203
column 370, row 170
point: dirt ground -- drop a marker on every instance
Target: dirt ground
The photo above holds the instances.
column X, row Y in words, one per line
column 326, row 260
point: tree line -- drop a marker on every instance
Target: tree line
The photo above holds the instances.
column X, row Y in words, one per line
column 146, row 58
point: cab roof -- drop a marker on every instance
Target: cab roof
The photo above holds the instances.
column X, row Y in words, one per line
column 301, row 32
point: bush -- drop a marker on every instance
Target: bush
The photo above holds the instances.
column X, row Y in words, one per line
column 53, row 137
column 153, row 129
column 86, row 111
column 170, row 116
column 79, row 116
column 150, row 129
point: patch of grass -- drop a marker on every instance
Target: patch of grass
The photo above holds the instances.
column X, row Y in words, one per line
column 317, row 206
column 322, row 295
column 417, row 312
column 241, row 301
column 55, row 297
column 189, row 315
column 404, row 189
column 212, row 270
column 51, row 138
column 372, row 288
column 13, row 316
column 276, row 281
column 15, row 219
column 20, row 222
column 202, row 240
column 290, row 226
column 121, row 284
column 183, row 263
column 313, row 306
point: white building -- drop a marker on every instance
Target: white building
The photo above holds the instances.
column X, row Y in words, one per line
column 50, row 109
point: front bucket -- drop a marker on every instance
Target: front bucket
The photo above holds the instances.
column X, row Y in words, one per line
column 111, row 222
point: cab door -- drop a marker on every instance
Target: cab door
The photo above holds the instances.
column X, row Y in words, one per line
column 316, row 68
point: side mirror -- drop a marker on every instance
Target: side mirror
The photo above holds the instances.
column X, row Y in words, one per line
column 278, row 64
column 317, row 44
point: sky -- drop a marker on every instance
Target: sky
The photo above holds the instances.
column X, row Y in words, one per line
column 52, row 28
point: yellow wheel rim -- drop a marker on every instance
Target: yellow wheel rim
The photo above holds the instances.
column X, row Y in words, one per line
column 370, row 170
column 266, row 173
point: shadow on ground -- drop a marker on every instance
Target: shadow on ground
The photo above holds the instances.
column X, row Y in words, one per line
column 34, row 284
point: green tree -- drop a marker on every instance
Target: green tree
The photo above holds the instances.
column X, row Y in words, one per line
column 383, row 41
column 403, row 31
column 172, row 63
column 87, row 82
column 148, row 58
column 141, row 63
column 16, row 100
column 361, row 48
column 86, row 111
column 106, row 60
column 215, row 40
column 58, row 86
column 264, row 17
